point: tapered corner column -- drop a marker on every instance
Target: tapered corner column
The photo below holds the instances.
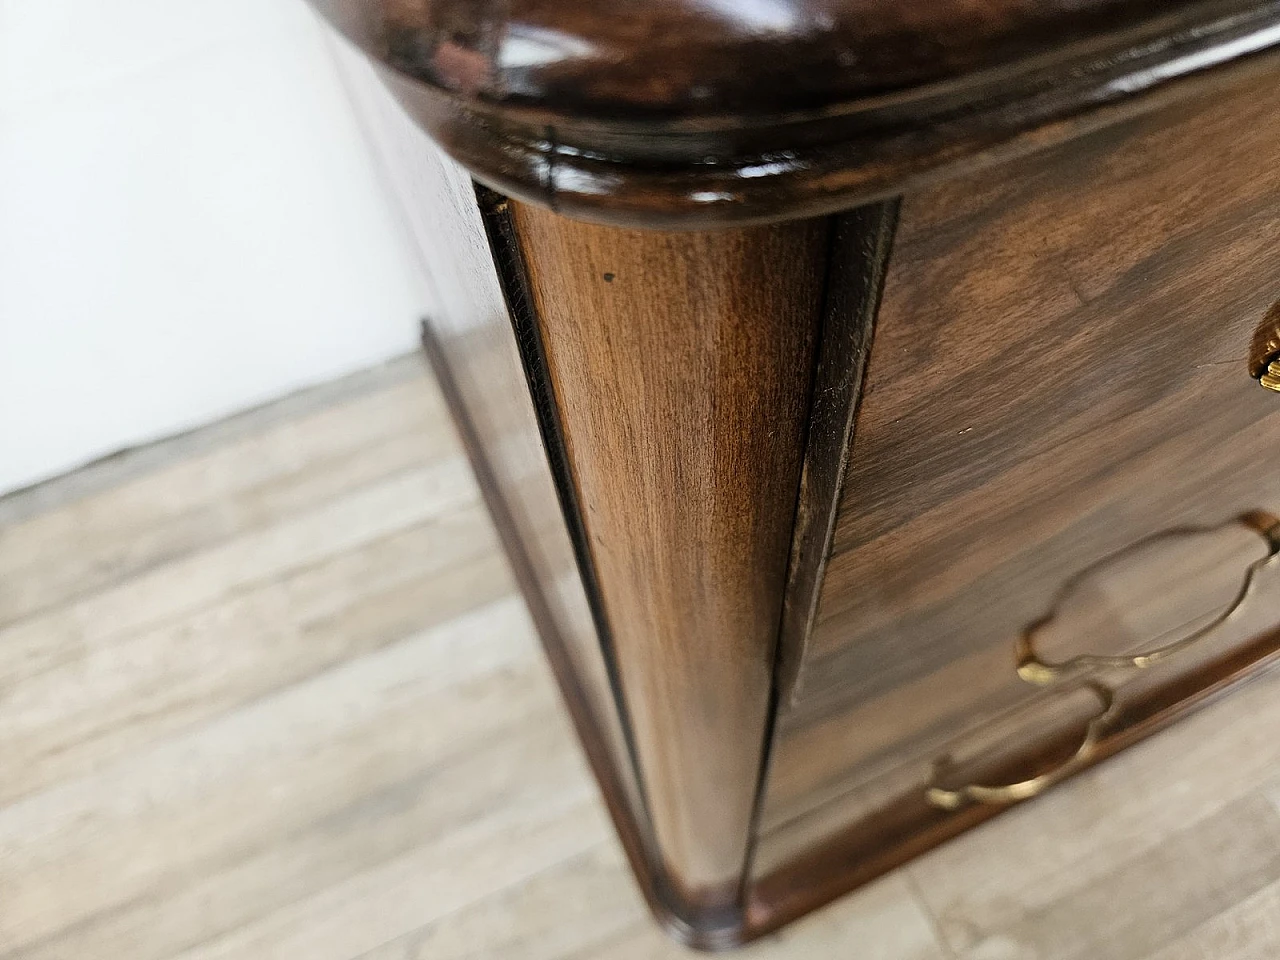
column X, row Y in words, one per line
column 680, row 365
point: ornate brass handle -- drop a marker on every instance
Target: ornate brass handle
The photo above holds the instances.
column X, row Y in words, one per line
column 954, row 798
column 1033, row 669
column 1271, row 376
column 1264, row 364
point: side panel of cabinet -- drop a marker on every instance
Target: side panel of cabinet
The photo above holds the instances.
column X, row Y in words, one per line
column 1059, row 401
column 477, row 359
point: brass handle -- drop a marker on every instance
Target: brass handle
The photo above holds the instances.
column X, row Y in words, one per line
column 1264, row 354
column 1033, row 669
column 1039, row 672
column 954, row 798
column 1271, row 376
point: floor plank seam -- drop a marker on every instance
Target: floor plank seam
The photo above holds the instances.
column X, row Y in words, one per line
column 228, row 858
column 419, row 934
column 121, row 466
column 248, row 586
column 935, row 925
column 169, row 559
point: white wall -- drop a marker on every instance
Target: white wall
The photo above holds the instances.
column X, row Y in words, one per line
column 190, row 223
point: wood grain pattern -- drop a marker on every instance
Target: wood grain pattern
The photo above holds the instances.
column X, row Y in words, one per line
column 681, row 367
column 216, row 493
column 1238, row 849
column 677, row 58
column 680, row 113
column 859, row 256
column 1061, row 370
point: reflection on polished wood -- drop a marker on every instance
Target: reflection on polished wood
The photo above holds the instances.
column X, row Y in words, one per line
column 1077, row 714
column 1170, row 635
column 684, row 113
column 681, row 367
column 1145, row 612
column 1011, row 436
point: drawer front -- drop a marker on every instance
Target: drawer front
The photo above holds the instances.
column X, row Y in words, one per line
column 1061, row 442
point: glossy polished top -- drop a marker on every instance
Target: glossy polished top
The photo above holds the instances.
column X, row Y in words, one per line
column 688, row 112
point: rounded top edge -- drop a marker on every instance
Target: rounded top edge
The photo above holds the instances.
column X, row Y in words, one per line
column 696, row 113
column 671, row 59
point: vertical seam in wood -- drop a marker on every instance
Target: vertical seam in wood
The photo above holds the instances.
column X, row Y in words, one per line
column 771, row 712
column 931, row 918
column 846, row 231
column 856, row 284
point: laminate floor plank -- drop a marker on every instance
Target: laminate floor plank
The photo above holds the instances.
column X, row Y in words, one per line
column 167, row 591
column 573, row 906
column 186, row 504
column 1248, row 930
column 989, row 879
column 882, row 921
column 88, row 710
column 1145, row 903
column 524, row 766
column 234, row 784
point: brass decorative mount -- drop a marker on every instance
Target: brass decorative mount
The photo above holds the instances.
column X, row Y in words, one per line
column 1087, row 669
column 1271, row 376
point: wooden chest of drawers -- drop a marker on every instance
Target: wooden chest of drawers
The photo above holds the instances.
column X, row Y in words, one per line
column 877, row 421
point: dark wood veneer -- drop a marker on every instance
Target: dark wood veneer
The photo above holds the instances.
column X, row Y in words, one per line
column 681, row 367
column 858, row 259
column 684, row 114
column 1062, row 368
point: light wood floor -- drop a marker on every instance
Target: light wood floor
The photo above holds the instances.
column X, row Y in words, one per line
column 266, row 692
